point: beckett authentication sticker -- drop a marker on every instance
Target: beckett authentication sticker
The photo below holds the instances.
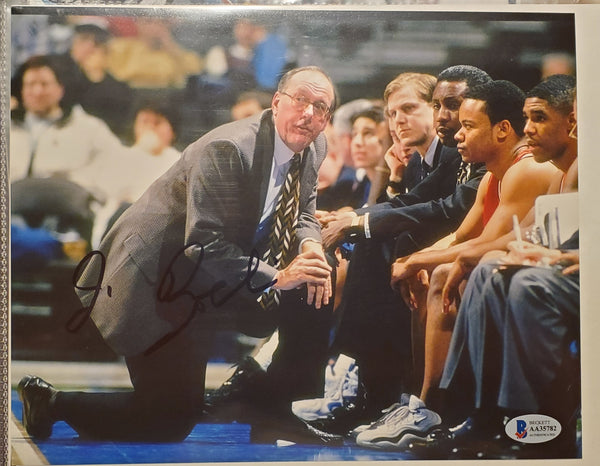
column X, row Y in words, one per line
column 533, row 428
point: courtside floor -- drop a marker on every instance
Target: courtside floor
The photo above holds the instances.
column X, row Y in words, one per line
column 208, row 443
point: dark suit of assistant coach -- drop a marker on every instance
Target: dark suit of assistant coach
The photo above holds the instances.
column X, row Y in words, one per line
column 217, row 200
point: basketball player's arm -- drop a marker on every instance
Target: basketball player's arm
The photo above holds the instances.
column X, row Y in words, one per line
column 521, row 185
column 467, row 260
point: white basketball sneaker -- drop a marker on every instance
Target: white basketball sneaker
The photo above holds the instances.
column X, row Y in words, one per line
column 341, row 386
column 399, row 427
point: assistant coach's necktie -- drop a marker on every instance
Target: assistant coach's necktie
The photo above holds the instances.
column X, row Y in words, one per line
column 285, row 217
column 464, row 172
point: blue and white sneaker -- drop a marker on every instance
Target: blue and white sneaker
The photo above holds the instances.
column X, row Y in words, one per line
column 341, row 387
column 401, row 426
column 335, row 374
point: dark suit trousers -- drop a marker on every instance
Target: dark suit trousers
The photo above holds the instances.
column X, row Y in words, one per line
column 513, row 333
column 168, row 384
column 297, row 368
column 166, row 401
column 374, row 326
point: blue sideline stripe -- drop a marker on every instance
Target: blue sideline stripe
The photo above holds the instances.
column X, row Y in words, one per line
column 206, row 443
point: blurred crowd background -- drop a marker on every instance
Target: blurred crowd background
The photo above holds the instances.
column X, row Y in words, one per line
column 200, row 64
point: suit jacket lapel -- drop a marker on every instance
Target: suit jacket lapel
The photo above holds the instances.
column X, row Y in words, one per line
column 261, row 166
column 437, row 154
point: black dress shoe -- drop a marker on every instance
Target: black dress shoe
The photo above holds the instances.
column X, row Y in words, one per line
column 247, row 384
column 270, row 429
column 37, row 395
column 343, row 419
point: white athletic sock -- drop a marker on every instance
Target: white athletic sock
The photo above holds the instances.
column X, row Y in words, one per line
column 265, row 353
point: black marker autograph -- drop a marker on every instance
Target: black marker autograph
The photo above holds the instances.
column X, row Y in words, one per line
column 80, row 316
column 168, row 290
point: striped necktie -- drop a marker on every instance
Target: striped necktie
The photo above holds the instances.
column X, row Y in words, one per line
column 464, row 172
column 285, row 218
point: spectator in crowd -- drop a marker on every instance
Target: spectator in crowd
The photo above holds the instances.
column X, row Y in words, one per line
column 253, row 63
column 155, row 129
column 340, row 186
column 250, row 103
column 50, row 138
column 235, row 77
column 333, row 164
column 557, row 63
column 269, row 51
column 89, row 84
column 370, row 142
column 240, row 52
column 342, row 126
column 339, row 181
column 152, row 59
column 32, row 35
column 152, row 154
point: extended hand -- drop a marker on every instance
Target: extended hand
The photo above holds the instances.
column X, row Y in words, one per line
column 395, row 163
column 319, row 214
column 319, row 294
column 308, row 267
column 450, row 293
column 524, row 253
column 567, row 258
column 335, row 231
column 414, row 290
column 402, row 269
column 327, row 217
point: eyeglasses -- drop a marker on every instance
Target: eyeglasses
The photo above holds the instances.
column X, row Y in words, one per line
column 301, row 103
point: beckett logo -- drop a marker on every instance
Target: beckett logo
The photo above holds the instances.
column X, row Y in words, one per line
column 533, row 428
column 521, row 432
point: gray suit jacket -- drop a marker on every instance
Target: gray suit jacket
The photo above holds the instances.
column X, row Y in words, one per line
column 185, row 246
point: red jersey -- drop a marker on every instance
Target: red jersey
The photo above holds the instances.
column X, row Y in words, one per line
column 492, row 194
